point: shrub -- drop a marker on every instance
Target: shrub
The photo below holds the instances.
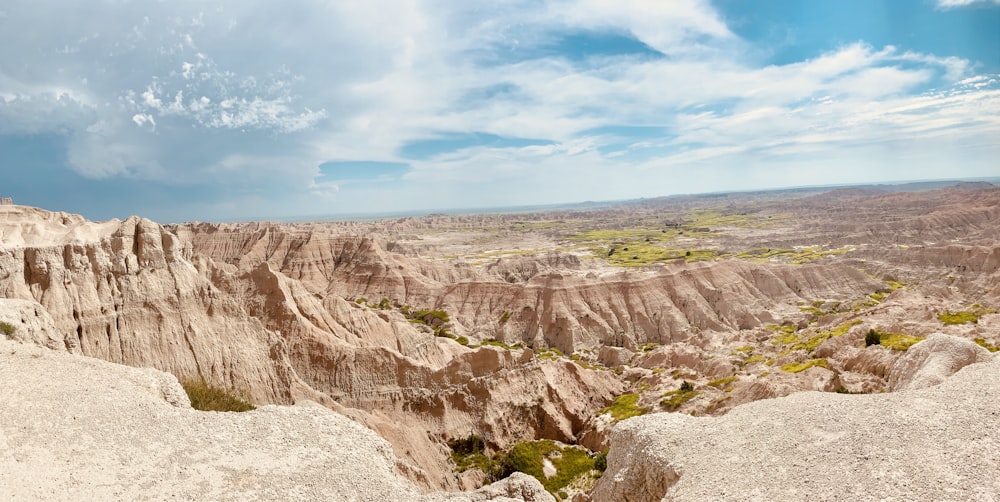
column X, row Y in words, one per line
column 872, row 338
column 601, row 461
column 687, row 386
column 7, row 329
column 205, row 397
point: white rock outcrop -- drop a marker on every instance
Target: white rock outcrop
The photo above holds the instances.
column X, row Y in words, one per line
column 75, row 428
column 935, row 443
column 933, row 360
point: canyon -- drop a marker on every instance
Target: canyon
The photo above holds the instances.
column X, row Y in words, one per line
column 635, row 328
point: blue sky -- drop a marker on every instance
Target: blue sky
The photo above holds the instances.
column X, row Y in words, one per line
column 187, row 110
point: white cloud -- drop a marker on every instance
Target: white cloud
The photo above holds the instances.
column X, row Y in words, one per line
column 259, row 94
column 144, row 120
column 947, row 4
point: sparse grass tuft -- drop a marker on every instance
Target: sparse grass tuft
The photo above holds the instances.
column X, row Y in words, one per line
column 896, row 341
column 205, row 397
column 7, row 329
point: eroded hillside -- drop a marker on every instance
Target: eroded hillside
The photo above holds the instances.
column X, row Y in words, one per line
column 524, row 326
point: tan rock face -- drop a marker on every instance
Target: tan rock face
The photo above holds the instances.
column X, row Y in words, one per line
column 132, row 294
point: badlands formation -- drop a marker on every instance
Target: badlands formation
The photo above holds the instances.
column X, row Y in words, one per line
column 806, row 343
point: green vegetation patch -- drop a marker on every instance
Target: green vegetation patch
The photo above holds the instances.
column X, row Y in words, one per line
column 804, row 365
column 816, row 340
column 986, row 345
column 965, row 316
column 529, row 457
column 674, row 399
column 436, row 319
column 785, row 339
column 549, row 354
column 797, row 256
column 756, row 358
column 642, row 254
column 470, row 453
column 625, row 406
column 894, row 341
column 497, row 343
column 720, row 383
column 7, row 329
column 205, row 397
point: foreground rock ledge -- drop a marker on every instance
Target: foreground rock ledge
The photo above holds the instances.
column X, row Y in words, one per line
column 935, row 443
column 74, row 428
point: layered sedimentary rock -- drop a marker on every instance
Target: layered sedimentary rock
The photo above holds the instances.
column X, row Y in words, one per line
column 323, row 312
column 130, row 292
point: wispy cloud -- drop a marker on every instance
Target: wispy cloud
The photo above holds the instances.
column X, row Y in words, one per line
column 947, row 4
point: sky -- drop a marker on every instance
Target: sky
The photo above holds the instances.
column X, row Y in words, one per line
column 233, row 110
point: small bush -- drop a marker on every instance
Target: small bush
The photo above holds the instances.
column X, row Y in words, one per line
column 872, row 338
column 205, row 397
column 601, row 461
column 687, row 386
column 7, row 329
